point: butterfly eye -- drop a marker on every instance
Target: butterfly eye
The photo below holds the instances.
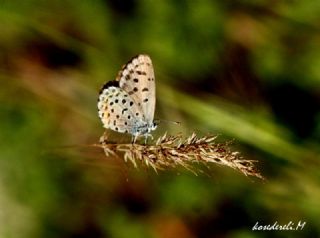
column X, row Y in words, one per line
column 154, row 125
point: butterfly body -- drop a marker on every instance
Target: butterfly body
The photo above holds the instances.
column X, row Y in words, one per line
column 127, row 104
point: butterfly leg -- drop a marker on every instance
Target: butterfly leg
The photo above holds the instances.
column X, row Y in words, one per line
column 103, row 138
column 134, row 139
column 146, row 138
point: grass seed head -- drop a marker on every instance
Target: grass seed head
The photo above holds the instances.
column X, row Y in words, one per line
column 174, row 151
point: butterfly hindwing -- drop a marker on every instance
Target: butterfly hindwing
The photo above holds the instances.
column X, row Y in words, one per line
column 117, row 110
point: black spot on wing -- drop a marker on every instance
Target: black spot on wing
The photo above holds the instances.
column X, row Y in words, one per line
column 141, row 72
column 108, row 84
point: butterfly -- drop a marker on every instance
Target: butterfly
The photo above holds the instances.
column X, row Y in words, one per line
column 127, row 104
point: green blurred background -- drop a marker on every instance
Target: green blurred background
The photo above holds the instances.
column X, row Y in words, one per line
column 247, row 70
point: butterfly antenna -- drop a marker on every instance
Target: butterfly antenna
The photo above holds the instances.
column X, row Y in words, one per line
column 163, row 120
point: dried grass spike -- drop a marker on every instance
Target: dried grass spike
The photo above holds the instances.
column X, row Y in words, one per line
column 173, row 151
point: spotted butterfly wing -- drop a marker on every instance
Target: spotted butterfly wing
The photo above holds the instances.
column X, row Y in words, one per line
column 127, row 104
column 137, row 79
column 117, row 110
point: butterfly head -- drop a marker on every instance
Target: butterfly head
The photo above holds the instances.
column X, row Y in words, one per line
column 152, row 126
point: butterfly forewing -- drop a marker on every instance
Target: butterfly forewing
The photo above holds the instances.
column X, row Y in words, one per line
column 137, row 79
